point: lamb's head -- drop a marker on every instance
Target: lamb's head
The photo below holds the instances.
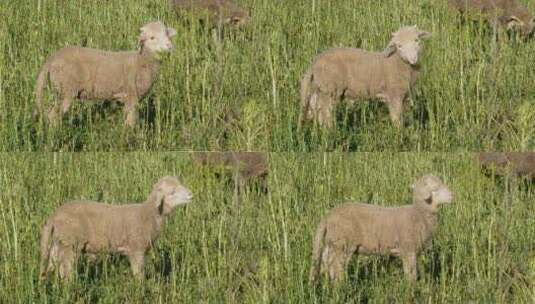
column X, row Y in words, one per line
column 520, row 20
column 407, row 43
column 156, row 37
column 168, row 193
column 429, row 192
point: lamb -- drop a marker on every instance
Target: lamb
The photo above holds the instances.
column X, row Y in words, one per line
column 86, row 73
column 247, row 165
column 520, row 164
column 217, row 12
column 347, row 73
column 500, row 14
column 86, row 227
column 367, row 229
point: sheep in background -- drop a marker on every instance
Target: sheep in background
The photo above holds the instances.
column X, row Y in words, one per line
column 217, row 12
column 369, row 229
column 520, row 164
column 355, row 74
column 91, row 74
column 86, row 227
column 244, row 166
column 500, row 14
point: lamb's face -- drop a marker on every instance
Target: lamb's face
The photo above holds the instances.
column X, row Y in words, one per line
column 156, row 37
column 168, row 193
column 407, row 41
column 176, row 194
column 430, row 191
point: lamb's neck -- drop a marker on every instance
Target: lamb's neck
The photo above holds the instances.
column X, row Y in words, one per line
column 428, row 219
column 151, row 58
column 154, row 219
column 404, row 69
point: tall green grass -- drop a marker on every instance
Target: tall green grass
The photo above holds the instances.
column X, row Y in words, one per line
column 482, row 252
column 241, row 92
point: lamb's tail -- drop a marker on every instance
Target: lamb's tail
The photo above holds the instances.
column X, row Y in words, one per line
column 317, row 250
column 305, row 97
column 39, row 86
column 46, row 246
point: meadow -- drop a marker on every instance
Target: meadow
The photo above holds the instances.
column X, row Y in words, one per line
column 241, row 92
column 212, row 252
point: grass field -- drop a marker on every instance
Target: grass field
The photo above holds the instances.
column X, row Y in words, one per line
column 210, row 252
column 242, row 92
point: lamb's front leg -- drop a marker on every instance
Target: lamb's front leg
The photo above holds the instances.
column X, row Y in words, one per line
column 137, row 263
column 409, row 266
column 130, row 111
column 395, row 108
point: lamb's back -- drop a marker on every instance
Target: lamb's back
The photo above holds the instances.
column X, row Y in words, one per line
column 355, row 71
column 366, row 225
column 91, row 56
column 86, row 217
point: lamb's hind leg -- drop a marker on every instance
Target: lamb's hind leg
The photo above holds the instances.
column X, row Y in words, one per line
column 66, row 263
column 53, row 259
column 62, row 102
column 325, row 108
column 337, row 266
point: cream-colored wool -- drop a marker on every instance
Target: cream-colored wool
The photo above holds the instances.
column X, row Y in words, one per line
column 355, row 74
column 363, row 229
column 91, row 228
column 91, row 74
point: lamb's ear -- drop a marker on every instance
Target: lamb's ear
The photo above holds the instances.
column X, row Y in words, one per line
column 142, row 36
column 390, row 49
column 171, row 32
column 161, row 205
column 157, row 200
column 424, row 35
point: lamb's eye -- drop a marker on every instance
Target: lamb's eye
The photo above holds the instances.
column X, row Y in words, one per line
column 152, row 38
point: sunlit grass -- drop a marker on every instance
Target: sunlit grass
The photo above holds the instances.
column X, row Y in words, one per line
column 210, row 252
column 242, row 91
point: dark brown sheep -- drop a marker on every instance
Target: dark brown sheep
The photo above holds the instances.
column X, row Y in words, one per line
column 520, row 164
column 247, row 165
column 217, row 12
column 500, row 14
